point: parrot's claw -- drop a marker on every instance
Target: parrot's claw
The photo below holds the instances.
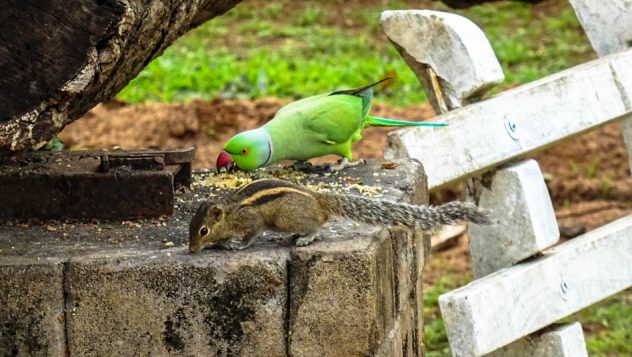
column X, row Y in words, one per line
column 327, row 168
column 301, row 166
column 344, row 163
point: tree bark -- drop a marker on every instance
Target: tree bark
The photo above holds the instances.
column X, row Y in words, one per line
column 59, row 58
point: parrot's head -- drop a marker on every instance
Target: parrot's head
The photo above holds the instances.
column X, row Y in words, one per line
column 248, row 150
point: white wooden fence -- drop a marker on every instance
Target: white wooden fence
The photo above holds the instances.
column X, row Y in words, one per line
column 510, row 308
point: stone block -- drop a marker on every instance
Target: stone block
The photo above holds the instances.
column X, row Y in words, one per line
column 401, row 340
column 31, row 307
column 342, row 296
column 211, row 304
column 356, row 296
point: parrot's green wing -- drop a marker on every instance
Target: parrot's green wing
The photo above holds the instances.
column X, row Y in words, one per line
column 338, row 116
column 334, row 119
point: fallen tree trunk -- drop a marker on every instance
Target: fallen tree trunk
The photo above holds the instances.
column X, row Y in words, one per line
column 58, row 59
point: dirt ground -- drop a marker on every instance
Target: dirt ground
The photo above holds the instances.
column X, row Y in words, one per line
column 588, row 176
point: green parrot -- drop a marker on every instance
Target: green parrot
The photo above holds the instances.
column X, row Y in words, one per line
column 311, row 127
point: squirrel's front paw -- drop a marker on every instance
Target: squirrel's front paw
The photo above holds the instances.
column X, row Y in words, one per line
column 303, row 241
column 234, row 245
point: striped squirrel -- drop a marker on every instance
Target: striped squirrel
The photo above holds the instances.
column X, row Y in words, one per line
column 283, row 206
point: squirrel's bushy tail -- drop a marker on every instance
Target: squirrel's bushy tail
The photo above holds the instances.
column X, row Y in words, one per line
column 380, row 212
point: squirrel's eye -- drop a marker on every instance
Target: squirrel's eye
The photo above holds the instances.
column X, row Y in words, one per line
column 244, row 151
column 203, row 231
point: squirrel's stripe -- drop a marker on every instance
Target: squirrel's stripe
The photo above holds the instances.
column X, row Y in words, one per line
column 265, row 199
column 252, row 188
column 268, row 195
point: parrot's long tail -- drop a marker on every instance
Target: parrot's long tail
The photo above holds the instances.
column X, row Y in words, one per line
column 377, row 121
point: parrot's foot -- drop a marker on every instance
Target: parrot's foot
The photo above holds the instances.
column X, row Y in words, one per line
column 327, row 168
column 344, row 163
column 301, row 166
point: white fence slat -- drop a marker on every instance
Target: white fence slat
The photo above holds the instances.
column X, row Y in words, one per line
column 519, row 121
column 497, row 309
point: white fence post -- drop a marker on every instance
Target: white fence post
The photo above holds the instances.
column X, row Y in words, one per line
column 525, row 221
column 608, row 25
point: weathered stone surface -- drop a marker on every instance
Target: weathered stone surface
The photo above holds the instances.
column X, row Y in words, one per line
column 214, row 303
column 357, row 296
column 31, row 307
column 400, row 341
column 342, row 297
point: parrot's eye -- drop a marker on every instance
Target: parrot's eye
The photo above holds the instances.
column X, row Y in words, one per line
column 203, row 231
column 244, row 151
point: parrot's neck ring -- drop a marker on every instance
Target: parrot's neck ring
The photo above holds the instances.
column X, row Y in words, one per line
column 269, row 146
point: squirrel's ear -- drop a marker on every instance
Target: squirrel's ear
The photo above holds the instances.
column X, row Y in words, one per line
column 216, row 212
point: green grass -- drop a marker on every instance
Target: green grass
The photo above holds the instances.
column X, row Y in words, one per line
column 259, row 49
column 608, row 326
column 434, row 330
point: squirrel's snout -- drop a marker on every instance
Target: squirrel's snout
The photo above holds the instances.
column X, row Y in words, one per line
column 193, row 248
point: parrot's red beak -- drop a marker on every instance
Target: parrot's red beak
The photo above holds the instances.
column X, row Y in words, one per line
column 224, row 161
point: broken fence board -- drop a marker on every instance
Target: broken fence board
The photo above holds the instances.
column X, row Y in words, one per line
column 519, row 121
column 452, row 46
column 502, row 307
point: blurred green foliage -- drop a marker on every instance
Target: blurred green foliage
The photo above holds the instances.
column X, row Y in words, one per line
column 295, row 49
